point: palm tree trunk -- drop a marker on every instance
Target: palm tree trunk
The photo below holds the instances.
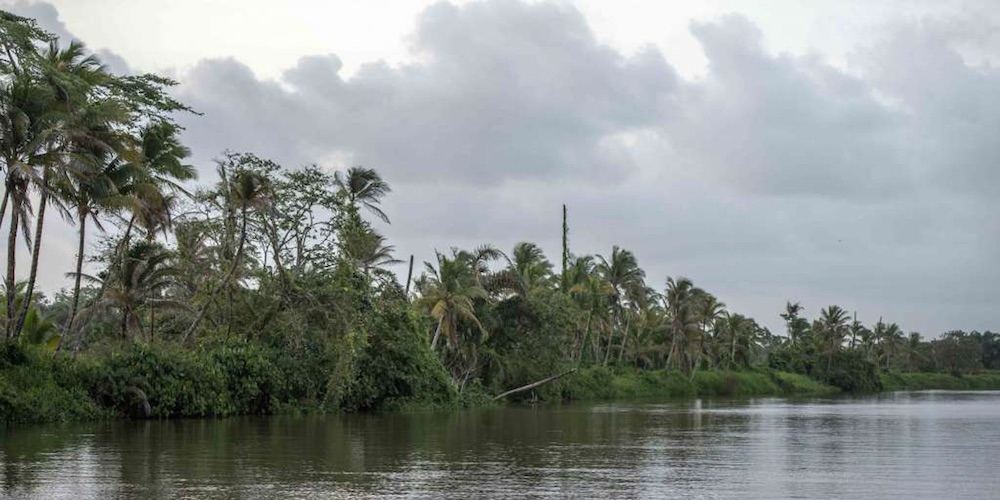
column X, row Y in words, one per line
column 225, row 280
column 9, row 281
column 76, row 280
column 437, row 334
column 673, row 347
column 621, row 351
column 36, row 248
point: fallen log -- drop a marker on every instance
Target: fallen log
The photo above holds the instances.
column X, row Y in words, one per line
column 535, row 384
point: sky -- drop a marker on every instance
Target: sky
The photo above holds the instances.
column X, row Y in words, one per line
column 824, row 152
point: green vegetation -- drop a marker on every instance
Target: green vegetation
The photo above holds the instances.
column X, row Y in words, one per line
column 267, row 290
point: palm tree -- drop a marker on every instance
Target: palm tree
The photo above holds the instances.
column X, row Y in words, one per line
column 364, row 187
column 370, row 252
column 683, row 319
column 90, row 194
column 29, row 125
column 448, row 293
column 528, row 268
column 710, row 312
column 623, row 274
column 833, row 328
column 71, row 75
column 131, row 282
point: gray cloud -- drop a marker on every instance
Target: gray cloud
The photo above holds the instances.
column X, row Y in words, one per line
column 784, row 125
column 774, row 177
column 503, row 91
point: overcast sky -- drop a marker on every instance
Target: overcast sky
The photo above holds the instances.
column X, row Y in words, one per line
column 823, row 152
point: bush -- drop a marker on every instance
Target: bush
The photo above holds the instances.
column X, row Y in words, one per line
column 35, row 387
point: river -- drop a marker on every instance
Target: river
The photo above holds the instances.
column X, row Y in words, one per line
column 916, row 445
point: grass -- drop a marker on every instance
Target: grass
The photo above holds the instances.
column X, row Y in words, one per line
column 596, row 383
column 940, row 381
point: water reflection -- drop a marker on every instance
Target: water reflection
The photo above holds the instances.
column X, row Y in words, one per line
column 907, row 445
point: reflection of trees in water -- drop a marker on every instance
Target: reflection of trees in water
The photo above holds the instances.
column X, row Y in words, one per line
column 728, row 449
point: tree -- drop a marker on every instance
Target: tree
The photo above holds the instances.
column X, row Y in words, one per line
column 528, row 269
column 682, row 320
column 447, row 293
column 246, row 191
column 622, row 273
column 363, row 187
column 832, row 327
column 133, row 282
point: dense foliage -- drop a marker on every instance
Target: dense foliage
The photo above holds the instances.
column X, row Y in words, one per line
column 268, row 289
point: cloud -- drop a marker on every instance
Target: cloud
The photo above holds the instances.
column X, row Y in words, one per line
column 772, row 177
column 781, row 125
column 500, row 91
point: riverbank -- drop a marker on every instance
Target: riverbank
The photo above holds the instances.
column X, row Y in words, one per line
column 940, row 381
column 248, row 379
column 602, row 383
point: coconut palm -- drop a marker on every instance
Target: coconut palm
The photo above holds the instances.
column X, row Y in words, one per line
column 364, row 187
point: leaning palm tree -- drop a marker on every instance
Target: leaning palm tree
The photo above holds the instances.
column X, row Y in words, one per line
column 364, row 187
column 71, row 75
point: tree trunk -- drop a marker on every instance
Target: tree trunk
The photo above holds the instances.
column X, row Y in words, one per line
column 673, row 347
column 9, row 282
column 76, row 279
column 534, row 384
column 36, row 248
column 409, row 278
column 437, row 334
column 225, row 280
column 621, row 352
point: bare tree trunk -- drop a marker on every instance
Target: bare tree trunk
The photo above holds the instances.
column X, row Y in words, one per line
column 621, row 351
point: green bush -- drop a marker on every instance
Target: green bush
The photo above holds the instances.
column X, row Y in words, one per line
column 35, row 387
